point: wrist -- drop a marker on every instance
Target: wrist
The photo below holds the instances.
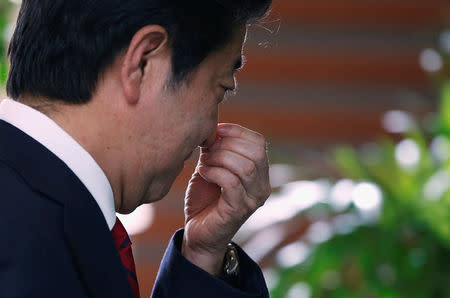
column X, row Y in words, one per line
column 211, row 262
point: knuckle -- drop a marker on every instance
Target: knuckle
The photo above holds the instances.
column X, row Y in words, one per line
column 233, row 182
column 261, row 154
column 250, row 170
column 261, row 139
column 252, row 205
column 260, row 203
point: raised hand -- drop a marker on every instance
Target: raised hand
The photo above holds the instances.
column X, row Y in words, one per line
column 231, row 182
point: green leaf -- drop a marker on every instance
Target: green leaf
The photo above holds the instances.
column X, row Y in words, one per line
column 5, row 6
column 445, row 109
column 348, row 162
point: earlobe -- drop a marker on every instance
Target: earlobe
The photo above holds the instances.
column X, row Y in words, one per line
column 147, row 44
column 130, row 83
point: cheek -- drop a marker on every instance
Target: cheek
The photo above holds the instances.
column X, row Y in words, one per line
column 214, row 115
column 208, row 107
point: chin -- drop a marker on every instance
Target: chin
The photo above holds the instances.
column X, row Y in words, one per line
column 159, row 188
column 153, row 198
column 157, row 194
column 125, row 210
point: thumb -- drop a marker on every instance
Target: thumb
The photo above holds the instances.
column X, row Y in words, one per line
column 199, row 187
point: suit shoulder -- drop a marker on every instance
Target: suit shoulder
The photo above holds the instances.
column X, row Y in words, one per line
column 20, row 202
column 33, row 246
column 11, row 180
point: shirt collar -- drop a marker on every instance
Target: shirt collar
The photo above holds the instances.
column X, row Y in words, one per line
column 59, row 142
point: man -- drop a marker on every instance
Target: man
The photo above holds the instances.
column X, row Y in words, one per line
column 110, row 98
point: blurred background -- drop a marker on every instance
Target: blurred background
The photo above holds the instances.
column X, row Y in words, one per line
column 354, row 98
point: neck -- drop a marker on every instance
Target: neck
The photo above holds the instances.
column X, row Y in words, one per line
column 91, row 126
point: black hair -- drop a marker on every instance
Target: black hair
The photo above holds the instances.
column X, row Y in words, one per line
column 60, row 48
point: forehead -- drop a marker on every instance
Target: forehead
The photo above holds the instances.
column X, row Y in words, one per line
column 230, row 56
column 223, row 62
column 235, row 46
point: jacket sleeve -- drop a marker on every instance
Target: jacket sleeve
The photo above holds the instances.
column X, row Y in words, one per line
column 177, row 277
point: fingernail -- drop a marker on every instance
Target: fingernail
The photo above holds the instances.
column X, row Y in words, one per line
column 222, row 129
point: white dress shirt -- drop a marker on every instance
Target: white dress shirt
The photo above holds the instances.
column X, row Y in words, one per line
column 44, row 130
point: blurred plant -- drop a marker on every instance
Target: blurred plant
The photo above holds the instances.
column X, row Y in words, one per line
column 401, row 250
column 5, row 6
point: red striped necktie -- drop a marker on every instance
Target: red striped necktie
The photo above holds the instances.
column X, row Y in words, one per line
column 123, row 244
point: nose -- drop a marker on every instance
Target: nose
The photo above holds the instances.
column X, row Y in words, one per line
column 231, row 83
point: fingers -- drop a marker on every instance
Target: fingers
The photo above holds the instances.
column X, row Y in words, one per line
column 247, row 149
column 242, row 167
column 232, row 189
column 243, row 141
column 237, row 131
column 236, row 168
column 241, row 153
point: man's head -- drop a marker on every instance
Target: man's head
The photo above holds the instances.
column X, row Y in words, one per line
column 136, row 82
column 60, row 48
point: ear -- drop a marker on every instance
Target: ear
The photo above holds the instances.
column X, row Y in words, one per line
column 147, row 43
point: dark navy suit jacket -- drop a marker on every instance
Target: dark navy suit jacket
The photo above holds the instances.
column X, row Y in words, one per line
column 55, row 242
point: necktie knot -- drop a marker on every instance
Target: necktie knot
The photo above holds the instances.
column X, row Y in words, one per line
column 119, row 234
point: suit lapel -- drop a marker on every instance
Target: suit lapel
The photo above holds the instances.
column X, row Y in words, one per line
column 94, row 250
column 86, row 230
